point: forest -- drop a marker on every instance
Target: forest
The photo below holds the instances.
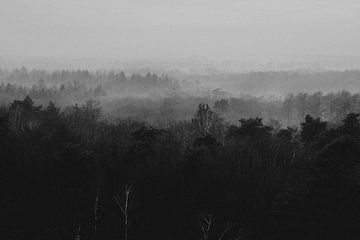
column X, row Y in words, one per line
column 160, row 100
column 112, row 155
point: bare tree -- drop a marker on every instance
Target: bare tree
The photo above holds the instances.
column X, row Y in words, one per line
column 123, row 204
column 205, row 222
column 237, row 236
column 96, row 207
column 204, row 118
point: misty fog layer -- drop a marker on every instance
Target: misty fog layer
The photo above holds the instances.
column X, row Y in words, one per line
column 179, row 119
column 161, row 100
column 258, row 30
column 87, row 155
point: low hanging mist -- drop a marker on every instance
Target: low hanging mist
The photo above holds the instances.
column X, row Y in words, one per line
column 159, row 99
column 179, row 120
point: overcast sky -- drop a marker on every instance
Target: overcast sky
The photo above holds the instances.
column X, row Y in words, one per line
column 165, row 29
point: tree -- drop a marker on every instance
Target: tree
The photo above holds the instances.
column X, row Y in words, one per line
column 24, row 115
column 288, row 106
column 123, row 203
column 204, row 119
column 313, row 107
column 252, row 127
column 351, row 125
column 301, row 101
column 311, row 128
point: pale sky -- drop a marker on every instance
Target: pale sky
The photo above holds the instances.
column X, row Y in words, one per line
column 163, row 29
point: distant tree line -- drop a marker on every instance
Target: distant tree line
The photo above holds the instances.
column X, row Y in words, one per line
column 159, row 100
column 268, row 83
column 163, row 110
column 64, row 95
column 114, row 83
column 288, row 111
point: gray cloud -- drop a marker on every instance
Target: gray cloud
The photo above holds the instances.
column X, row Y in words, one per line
column 136, row 29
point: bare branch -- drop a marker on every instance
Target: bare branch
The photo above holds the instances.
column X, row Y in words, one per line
column 124, row 207
column 96, row 207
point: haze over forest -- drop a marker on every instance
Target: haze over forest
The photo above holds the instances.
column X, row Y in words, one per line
column 322, row 33
column 179, row 119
